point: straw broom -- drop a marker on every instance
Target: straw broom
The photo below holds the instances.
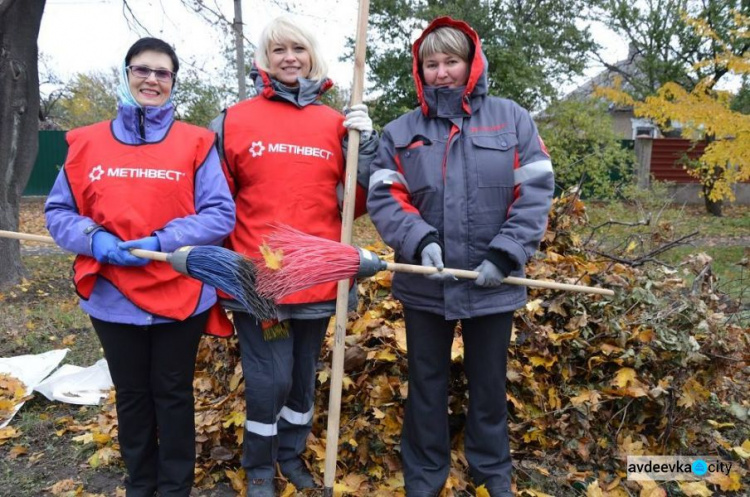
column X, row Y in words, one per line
column 221, row 268
column 308, row 260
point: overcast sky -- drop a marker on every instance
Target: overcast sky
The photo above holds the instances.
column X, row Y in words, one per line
column 86, row 35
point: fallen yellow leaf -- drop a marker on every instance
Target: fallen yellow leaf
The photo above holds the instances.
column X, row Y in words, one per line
column 695, row 489
column 273, row 258
column 623, row 377
column 728, row 483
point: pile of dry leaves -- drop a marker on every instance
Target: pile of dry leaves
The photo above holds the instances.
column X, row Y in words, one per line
column 659, row 369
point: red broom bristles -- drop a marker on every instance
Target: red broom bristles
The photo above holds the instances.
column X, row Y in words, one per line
column 307, row 261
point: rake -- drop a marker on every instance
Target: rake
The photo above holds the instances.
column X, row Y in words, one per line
column 218, row 267
column 309, row 260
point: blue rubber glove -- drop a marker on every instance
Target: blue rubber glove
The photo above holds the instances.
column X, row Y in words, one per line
column 103, row 243
column 432, row 256
column 490, row 275
column 123, row 256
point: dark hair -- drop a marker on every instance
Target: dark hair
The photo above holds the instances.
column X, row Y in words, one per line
column 154, row 45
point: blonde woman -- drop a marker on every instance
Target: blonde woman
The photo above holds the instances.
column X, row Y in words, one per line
column 283, row 153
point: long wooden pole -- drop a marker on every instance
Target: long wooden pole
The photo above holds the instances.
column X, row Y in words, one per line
column 342, row 299
column 146, row 254
column 510, row 280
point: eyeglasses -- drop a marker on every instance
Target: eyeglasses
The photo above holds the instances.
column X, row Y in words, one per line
column 144, row 72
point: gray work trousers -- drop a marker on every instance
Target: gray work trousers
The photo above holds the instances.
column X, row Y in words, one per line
column 279, row 392
column 425, row 441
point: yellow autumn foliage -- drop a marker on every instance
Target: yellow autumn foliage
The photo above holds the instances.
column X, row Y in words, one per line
column 704, row 112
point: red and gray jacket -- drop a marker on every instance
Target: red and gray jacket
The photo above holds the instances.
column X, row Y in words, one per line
column 284, row 161
column 469, row 171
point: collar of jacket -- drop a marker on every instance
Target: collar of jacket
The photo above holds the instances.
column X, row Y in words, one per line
column 445, row 102
column 476, row 86
column 308, row 92
column 129, row 129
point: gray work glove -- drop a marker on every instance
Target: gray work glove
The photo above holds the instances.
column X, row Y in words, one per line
column 432, row 256
column 490, row 275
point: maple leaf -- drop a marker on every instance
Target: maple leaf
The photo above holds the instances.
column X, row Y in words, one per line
column 103, row 457
column 695, row 489
column 650, row 488
column 593, row 490
column 18, row 450
column 482, row 491
column 9, row 432
column 289, row 490
column 744, row 450
column 61, row 487
column 273, row 258
column 629, row 447
column 546, row 362
column 236, row 479
column 623, row 377
column 530, row 492
column 692, row 393
column 235, row 418
column 728, row 483
column 534, row 307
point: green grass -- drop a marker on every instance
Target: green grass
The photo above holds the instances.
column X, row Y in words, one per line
column 733, row 279
column 735, row 222
column 641, row 227
column 42, row 313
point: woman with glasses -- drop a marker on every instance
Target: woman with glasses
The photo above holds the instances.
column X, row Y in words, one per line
column 146, row 181
column 284, row 157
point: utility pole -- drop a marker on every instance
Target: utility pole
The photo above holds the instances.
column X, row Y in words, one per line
column 239, row 49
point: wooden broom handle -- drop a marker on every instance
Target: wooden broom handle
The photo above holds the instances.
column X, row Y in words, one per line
column 511, row 280
column 146, row 254
column 347, row 222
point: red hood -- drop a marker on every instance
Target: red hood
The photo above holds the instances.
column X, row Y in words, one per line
column 477, row 62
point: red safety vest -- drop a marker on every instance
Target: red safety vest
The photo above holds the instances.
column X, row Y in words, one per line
column 132, row 191
column 284, row 165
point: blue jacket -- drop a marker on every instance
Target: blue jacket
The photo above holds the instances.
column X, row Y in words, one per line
column 214, row 218
column 470, row 172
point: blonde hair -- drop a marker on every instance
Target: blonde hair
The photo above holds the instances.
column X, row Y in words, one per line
column 281, row 30
column 445, row 40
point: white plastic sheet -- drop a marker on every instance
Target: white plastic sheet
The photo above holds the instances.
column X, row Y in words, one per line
column 77, row 385
column 31, row 370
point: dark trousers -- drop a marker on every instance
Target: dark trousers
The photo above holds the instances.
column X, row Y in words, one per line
column 279, row 392
column 152, row 368
column 425, row 441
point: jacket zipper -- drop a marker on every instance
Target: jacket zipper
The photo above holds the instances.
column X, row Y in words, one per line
column 141, row 128
column 454, row 132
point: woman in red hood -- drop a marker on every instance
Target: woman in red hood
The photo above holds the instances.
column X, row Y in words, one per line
column 462, row 181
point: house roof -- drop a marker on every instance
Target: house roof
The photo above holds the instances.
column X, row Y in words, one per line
column 607, row 77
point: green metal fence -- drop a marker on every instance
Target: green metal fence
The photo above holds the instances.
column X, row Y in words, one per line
column 52, row 151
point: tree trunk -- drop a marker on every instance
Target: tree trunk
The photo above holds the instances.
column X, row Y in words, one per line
column 19, row 111
column 713, row 207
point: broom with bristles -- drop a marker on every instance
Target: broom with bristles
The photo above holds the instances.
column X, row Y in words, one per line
column 294, row 260
column 219, row 267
